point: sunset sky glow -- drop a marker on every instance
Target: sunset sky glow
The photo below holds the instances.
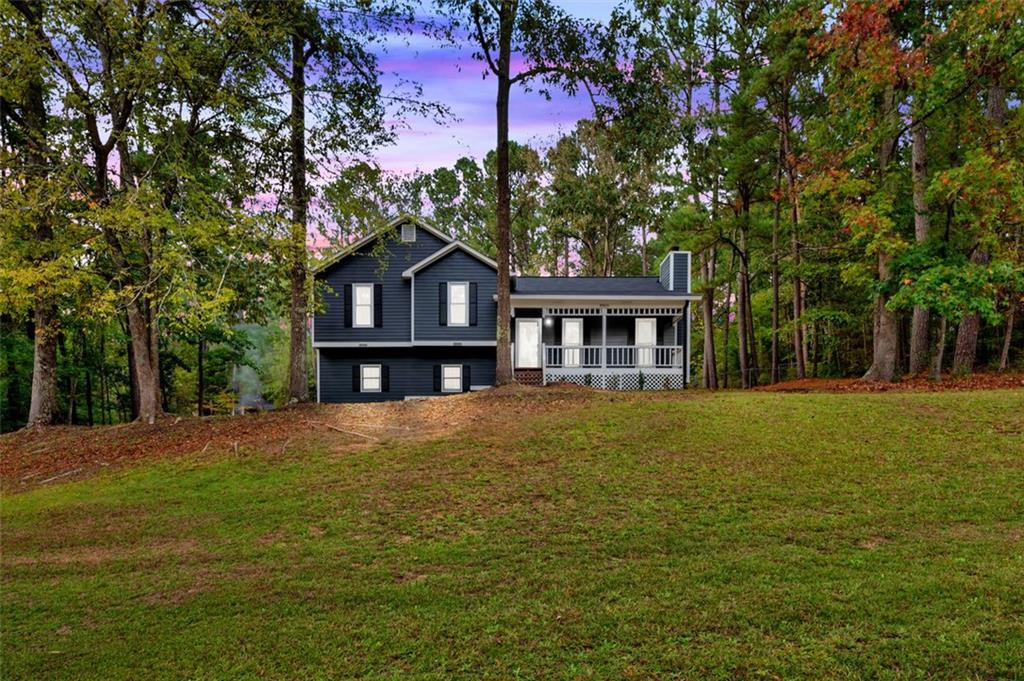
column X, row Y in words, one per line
column 452, row 76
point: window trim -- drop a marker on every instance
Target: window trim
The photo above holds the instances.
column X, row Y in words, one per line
column 362, row 378
column 411, row 226
column 444, row 378
column 451, row 302
column 355, row 306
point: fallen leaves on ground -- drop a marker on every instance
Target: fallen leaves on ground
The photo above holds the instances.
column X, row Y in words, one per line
column 979, row 381
column 31, row 457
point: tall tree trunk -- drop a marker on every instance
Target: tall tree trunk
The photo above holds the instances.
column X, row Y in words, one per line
column 919, row 323
column 748, row 322
column 741, row 328
column 709, row 378
column 776, row 220
column 43, row 401
column 153, row 324
column 149, row 404
column 1004, row 356
column 643, row 250
column 725, row 328
column 145, row 383
column 133, row 380
column 886, row 338
column 298, row 380
column 940, row 351
column 201, row 378
column 799, row 354
column 88, row 384
column 966, row 354
column 503, row 369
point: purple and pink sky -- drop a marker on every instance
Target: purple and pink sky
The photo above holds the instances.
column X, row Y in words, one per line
column 452, row 76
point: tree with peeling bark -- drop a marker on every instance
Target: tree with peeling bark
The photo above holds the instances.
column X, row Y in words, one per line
column 554, row 46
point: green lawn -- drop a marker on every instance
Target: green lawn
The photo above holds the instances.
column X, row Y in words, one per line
column 705, row 536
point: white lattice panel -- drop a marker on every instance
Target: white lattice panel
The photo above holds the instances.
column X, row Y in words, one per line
column 620, row 381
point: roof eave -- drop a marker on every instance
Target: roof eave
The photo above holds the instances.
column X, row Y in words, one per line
column 384, row 229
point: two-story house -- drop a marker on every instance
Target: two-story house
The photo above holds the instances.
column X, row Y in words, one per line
column 410, row 312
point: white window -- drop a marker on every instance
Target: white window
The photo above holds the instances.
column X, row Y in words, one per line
column 572, row 339
column 646, row 336
column 369, row 378
column 408, row 233
column 458, row 303
column 451, row 378
column 362, row 308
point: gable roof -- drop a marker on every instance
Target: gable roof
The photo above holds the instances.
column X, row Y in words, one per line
column 387, row 228
column 442, row 252
column 590, row 286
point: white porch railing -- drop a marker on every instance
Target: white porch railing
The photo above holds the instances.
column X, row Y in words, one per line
column 615, row 357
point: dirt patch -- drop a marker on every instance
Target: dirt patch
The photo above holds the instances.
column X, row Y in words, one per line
column 980, row 381
column 43, row 456
column 96, row 555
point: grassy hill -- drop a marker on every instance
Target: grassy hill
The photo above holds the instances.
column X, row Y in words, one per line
column 732, row 535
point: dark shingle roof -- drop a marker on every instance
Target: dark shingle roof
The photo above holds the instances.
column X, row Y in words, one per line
column 592, row 286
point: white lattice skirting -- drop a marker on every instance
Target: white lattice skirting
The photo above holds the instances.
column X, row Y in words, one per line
column 621, row 381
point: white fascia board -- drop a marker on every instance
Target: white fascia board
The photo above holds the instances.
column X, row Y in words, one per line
column 362, row 344
column 442, row 252
column 523, row 299
column 467, row 344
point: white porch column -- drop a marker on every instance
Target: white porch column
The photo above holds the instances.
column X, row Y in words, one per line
column 604, row 346
column 686, row 343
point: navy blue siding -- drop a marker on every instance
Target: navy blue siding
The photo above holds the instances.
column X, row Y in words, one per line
column 679, row 275
column 371, row 264
column 682, row 273
column 456, row 266
column 411, row 370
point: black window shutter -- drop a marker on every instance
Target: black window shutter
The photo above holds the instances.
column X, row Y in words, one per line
column 378, row 305
column 385, row 378
column 437, row 378
column 442, row 307
column 472, row 303
column 465, row 378
column 355, row 378
column 348, row 305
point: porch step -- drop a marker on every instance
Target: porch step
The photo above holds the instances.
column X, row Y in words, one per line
column 530, row 376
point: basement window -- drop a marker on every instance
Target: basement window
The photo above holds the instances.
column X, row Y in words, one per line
column 451, row 378
column 408, row 233
column 369, row 378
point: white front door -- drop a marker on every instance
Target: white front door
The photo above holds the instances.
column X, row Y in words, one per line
column 528, row 344
column 572, row 339
column 646, row 339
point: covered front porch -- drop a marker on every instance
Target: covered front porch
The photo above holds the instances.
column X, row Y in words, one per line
column 611, row 346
